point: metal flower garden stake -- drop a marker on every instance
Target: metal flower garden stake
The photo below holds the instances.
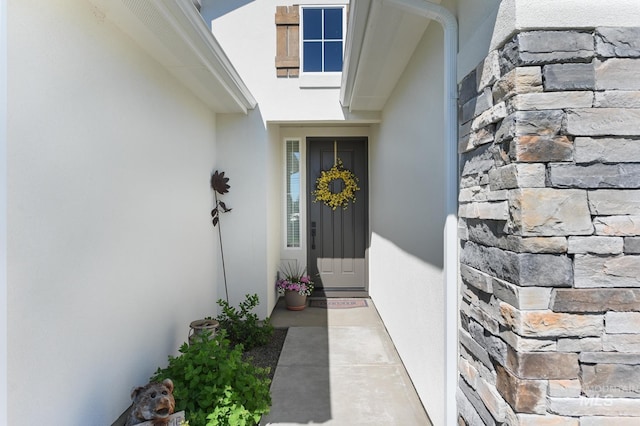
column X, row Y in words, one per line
column 220, row 186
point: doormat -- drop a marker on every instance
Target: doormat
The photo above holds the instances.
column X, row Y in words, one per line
column 338, row 303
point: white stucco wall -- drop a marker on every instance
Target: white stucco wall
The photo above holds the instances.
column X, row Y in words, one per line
column 111, row 252
column 247, row 32
column 407, row 220
column 244, row 154
column 3, row 213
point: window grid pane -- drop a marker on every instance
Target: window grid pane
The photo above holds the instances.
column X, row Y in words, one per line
column 293, row 193
column 312, row 24
column 322, row 40
column 333, row 24
column 333, row 56
column 312, row 56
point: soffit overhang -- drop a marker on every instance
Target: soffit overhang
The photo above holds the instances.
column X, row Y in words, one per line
column 380, row 42
column 174, row 33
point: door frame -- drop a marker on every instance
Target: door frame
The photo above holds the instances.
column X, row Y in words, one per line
column 301, row 131
column 349, row 291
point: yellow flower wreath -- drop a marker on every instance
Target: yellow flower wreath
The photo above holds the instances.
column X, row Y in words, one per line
column 342, row 198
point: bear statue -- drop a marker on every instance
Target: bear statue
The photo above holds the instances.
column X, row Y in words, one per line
column 153, row 402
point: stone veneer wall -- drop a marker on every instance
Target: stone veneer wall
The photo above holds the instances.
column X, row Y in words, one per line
column 550, row 231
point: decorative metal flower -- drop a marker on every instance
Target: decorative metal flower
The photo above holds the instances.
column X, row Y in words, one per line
column 219, row 183
column 220, row 186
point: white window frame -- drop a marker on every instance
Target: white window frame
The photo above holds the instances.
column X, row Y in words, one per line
column 301, row 199
column 321, row 79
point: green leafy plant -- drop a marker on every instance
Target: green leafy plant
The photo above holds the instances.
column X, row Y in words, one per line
column 214, row 386
column 242, row 325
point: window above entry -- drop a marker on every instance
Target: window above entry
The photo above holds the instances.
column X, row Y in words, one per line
column 310, row 43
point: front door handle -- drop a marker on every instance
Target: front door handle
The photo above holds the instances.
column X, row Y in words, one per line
column 313, row 235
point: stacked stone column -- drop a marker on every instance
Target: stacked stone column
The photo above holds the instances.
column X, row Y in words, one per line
column 550, row 231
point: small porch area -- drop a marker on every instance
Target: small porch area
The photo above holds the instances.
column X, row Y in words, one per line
column 338, row 366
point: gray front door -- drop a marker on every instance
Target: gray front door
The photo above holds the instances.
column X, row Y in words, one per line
column 337, row 239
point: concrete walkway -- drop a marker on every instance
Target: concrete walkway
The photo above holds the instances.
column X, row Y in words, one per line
column 339, row 367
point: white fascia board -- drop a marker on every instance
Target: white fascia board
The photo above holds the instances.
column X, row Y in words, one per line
column 174, row 33
column 356, row 28
column 380, row 42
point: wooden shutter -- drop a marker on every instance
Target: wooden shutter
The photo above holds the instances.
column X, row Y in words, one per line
column 287, row 41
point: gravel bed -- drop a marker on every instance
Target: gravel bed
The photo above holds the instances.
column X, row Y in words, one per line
column 268, row 355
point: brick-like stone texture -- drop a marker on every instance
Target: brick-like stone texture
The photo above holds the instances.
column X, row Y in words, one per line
column 569, row 77
column 549, row 222
column 492, row 399
column 618, row 42
column 525, row 269
column 528, row 344
column 595, row 300
column 617, row 99
column 569, row 388
column 612, row 271
column 611, row 202
column 617, row 74
column 626, row 226
column 608, row 421
column 524, row 298
column 525, row 396
column 474, row 398
column 622, row 322
column 579, row 344
column 536, row 123
column 553, row 100
column 611, row 380
column 546, row 420
column 466, row 410
column 623, row 176
column 540, row 47
column 549, row 212
column 603, row 406
column 543, row 365
column 541, row 149
column 603, row 122
column 628, row 343
column 632, row 245
column 610, row 358
column 606, row 150
column 595, row 245
column 517, row 176
column 518, row 81
column 550, row 324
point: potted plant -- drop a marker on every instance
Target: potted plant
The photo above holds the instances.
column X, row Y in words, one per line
column 296, row 285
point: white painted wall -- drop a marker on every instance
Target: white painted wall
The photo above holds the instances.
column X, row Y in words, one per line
column 111, row 252
column 407, row 215
column 3, row 213
column 247, row 32
column 245, row 155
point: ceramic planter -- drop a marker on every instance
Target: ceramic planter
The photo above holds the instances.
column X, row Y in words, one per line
column 294, row 300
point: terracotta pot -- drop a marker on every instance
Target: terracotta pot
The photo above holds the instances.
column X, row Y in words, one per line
column 294, row 300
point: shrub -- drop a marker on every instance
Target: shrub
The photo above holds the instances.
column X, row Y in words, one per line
column 242, row 325
column 214, row 386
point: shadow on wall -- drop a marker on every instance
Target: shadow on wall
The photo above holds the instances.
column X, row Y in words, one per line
column 213, row 9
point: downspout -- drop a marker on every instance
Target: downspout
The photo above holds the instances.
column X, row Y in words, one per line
column 450, row 26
